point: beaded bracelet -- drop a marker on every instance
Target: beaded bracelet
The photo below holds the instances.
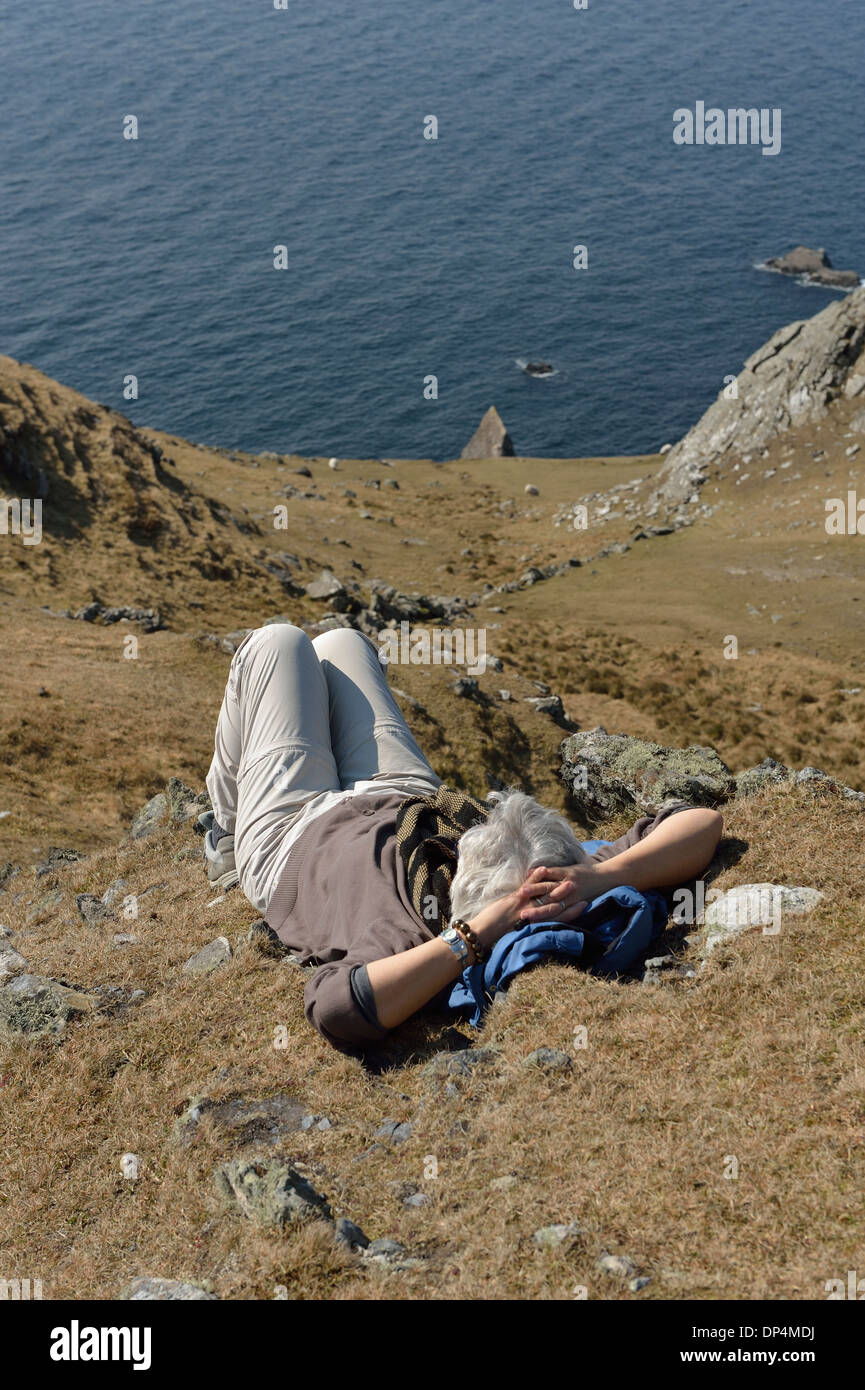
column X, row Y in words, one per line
column 465, row 931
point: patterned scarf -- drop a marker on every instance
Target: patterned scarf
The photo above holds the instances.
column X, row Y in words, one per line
column 427, row 831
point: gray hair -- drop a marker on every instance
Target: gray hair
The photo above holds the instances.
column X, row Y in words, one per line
column 497, row 856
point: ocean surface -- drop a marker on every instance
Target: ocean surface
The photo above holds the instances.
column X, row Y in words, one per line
column 409, row 257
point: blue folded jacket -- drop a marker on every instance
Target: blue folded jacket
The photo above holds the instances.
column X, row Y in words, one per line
column 608, row 937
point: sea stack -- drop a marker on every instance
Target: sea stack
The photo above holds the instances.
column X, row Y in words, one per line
column 490, row 440
column 813, row 266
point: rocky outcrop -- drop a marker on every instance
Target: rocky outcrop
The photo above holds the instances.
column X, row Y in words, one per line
column 770, row 773
column 794, row 378
column 490, row 440
column 35, row 1006
column 814, row 267
column 609, row 773
column 270, row 1192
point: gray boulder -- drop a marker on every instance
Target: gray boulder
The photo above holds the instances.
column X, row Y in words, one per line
column 148, row 819
column 36, row 1006
column 270, row 1192
column 609, row 773
column 327, row 586
column 490, row 440
column 751, row 905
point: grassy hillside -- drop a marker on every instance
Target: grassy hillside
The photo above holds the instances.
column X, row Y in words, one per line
column 757, row 1056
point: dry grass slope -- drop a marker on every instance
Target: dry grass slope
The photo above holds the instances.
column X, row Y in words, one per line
column 759, row 1057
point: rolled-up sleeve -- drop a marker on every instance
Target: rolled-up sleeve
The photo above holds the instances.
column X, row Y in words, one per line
column 331, row 1007
column 638, row 831
column 343, row 1011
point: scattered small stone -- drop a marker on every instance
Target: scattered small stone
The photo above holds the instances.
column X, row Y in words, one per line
column 347, row 1233
column 395, row 1130
column 114, row 891
column 209, row 958
column 532, row 490
column 467, row 688
column 417, row 1199
column 385, row 1249
column 11, row 961
column 555, row 1236
column 124, row 939
column 635, row 1285
column 315, row 1122
column 166, row 1290
column 550, row 1059
column 617, row 1266
column 91, row 909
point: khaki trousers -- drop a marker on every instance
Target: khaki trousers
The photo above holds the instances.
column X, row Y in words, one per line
column 303, row 725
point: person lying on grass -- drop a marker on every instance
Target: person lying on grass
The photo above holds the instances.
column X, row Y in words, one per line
column 339, row 832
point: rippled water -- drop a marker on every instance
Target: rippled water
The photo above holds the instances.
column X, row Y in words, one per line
column 409, row 257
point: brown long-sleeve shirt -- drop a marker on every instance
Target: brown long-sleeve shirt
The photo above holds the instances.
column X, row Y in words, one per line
column 343, row 901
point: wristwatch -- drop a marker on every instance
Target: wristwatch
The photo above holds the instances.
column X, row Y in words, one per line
column 457, row 944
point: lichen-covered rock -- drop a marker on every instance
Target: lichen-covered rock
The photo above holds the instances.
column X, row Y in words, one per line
column 753, row 905
column 149, row 817
column 36, row 1006
column 555, row 1236
column 57, row 858
column 770, row 773
column 209, row 958
column 166, row 1290
column 609, row 773
column 92, row 910
column 183, row 803
column 270, row 1192
column 550, row 1059
column 46, row 903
